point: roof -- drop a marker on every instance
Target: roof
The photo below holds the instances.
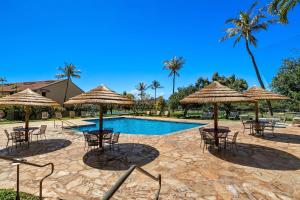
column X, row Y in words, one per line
column 258, row 93
column 27, row 98
column 100, row 95
column 216, row 93
column 33, row 85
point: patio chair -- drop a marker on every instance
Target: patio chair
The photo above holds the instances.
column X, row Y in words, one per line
column 233, row 115
column 72, row 114
column 207, row 115
column 296, row 121
column 83, row 114
column 45, row 115
column 91, row 141
column 58, row 115
column 8, row 137
column 40, row 132
column 208, row 139
column 17, row 138
column 2, row 114
column 166, row 113
column 115, row 140
column 231, row 141
column 148, row 112
column 158, row 113
column 247, row 123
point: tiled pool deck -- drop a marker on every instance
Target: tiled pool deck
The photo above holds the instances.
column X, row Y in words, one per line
column 264, row 168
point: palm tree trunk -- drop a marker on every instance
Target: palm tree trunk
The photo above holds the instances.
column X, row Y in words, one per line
column 2, row 88
column 258, row 75
column 155, row 99
column 174, row 82
column 65, row 98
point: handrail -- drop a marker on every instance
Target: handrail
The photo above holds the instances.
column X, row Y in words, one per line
column 22, row 161
column 124, row 177
column 68, row 123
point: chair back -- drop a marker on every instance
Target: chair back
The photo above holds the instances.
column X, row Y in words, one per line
column 45, row 115
column 158, row 112
column 235, row 136
column 72, row 114
column 148, row 112
column 7, row 134
column 43, row 129
column 58, row 115
column 167, row 113
column 115, row 138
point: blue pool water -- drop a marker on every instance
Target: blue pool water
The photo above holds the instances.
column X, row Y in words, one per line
column 140, row 126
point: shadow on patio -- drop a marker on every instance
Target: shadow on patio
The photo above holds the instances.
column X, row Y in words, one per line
column 36, row 148
column 283, row 137
column 121, row 158
column 259, row 157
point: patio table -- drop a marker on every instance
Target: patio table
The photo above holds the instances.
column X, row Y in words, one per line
column 220, row 133
column 26, row 130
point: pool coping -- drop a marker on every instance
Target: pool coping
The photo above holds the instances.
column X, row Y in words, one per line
column 201, row 124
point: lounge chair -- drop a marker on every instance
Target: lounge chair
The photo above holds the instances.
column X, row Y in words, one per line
column 45, row 115
column 58, row 115
column 158, row 113
column 40, row 132
column 233, row 115
column 2, row 114
column 166, row 113
column 83, row 114
column 207, row 115
column 72, row 114
column 296, row 121
column 148, row 112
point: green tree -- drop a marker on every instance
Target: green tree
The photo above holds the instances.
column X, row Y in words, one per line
column 244, row 27
column 174, row 65
column 69, row 71
column 154, row 86
column 161, row 103
column 141, row 87
column 282, row 8
column 2, row 80
column 202, row 82
column 287, row 82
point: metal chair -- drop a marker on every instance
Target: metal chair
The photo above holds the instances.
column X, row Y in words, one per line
column 41, row 131
column 231, row 141
column 115, row 140
column 92, row 141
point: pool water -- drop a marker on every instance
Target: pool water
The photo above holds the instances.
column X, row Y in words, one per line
column 140, row 126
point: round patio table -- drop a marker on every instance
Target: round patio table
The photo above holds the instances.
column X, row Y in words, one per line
column 219, row 133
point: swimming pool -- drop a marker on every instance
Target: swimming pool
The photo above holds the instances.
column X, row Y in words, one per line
column 140, row 126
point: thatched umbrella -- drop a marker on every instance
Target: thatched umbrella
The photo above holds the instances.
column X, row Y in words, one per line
column 27, row 98
column 101, row 96
column 260, row 94
column 215, row 93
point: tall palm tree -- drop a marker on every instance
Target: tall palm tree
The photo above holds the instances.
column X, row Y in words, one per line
column 244, row 27
column 174, row 65
column 2, row 80
column 141, row 87
column 155, row 85
column 69, row 71
column 282, row 8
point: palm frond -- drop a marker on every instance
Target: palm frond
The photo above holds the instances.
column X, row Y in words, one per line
column 273, row 7
column 251, row 9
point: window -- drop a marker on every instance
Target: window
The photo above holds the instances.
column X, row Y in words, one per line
column 43, row 94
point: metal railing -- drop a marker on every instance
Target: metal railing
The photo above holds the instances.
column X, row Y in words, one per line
column 69, row 123
column 124, row 177
column 17, row 162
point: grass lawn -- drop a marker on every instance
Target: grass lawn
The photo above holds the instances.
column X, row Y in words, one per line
column 10, row 194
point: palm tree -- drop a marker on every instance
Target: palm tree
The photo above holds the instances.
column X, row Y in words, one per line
column 244, row 27
column 282, row 8
column 69, row 71
column 2, row 80
column 155, row 85
column 174, row 65
column 141, row 87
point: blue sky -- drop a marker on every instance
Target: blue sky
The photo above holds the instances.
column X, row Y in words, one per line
column 120, row 43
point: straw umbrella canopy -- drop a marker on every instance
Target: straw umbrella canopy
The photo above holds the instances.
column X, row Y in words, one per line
column 215, row 93
column 260, row 94
column 27, row 98
column 101, row 96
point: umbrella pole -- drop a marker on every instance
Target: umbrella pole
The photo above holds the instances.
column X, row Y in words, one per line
column 101, row 125
column 216, row 124
column 27, row 114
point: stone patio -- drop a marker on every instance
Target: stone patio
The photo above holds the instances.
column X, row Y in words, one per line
column 263, row 168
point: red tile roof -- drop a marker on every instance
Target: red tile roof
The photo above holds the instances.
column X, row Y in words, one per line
column 34, row 85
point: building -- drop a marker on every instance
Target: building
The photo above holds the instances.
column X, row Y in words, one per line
column 53, row 89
